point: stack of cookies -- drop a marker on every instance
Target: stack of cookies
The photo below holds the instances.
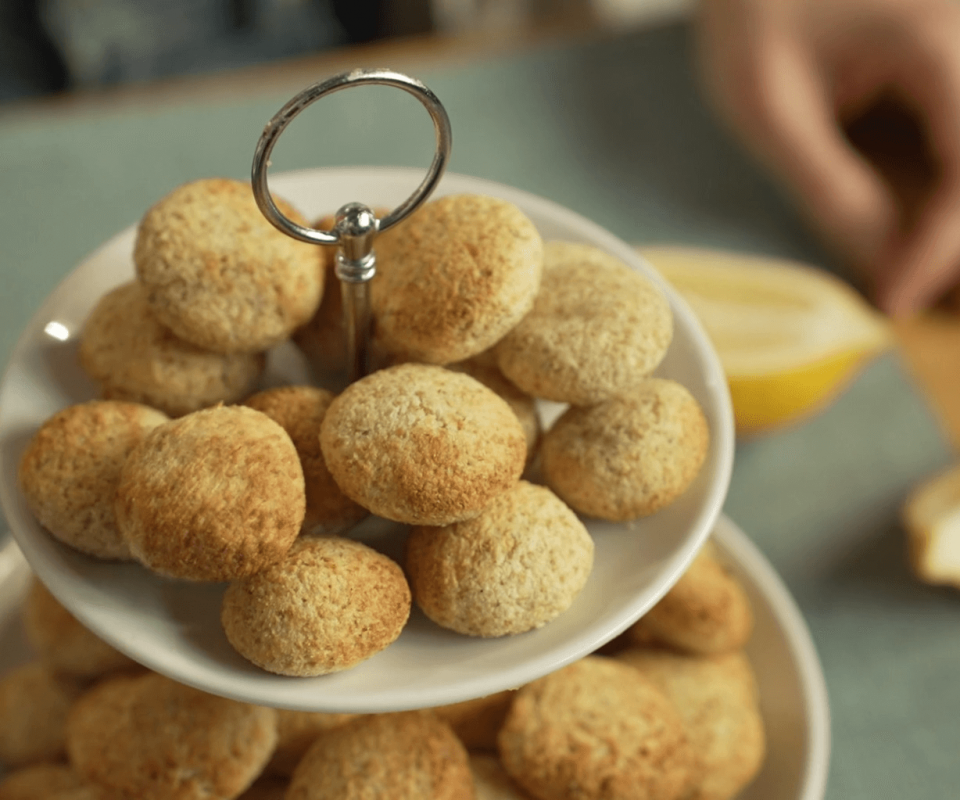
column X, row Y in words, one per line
column 185, row 467
column 669, row 711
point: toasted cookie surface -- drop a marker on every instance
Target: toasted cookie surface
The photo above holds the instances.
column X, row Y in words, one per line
column 212, row 496
column 421, row 444
column 517, row 565
column 716, row 698
column 299, row 410
column 592, row 730
column 49, row 780
column 627, row 458
column 219, row 275
column 406, row 756
column 296, row 731
column 706, row 612
column 330, row 604
column 461, row 273
column 133, row 357
column 477, row 722
column 597, row 328
column 150, row 737
column 70, row 471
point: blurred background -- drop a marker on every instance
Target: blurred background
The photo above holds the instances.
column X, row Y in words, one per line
column 50, row 47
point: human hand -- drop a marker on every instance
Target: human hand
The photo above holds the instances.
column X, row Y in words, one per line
column 788, row 75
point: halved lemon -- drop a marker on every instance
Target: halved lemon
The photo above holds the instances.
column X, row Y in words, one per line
column 790, row 336
column 931, row 516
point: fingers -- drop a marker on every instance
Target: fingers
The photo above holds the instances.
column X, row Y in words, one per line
column 788, row 118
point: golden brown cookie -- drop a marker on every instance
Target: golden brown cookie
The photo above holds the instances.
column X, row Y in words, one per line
column 70, row 470
column 461, row 273
column 717, row 701
column 34, row 702
column 519, row 564
column 45, row 781
column 63, row 643
column 406, row 756
column 296, row 731
column 595, row 729
column 627, row 458
column 707, row 612
column 597, row 329
column 133, row 357
column 299, row 410
column 421, row 444
column 477, row 722
column 330, row 604
column 492, row 781
column 219, row 275
column 152, row 737
column 212, row 496
column 523, row 405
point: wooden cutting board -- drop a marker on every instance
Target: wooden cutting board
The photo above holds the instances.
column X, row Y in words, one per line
column 930, row 347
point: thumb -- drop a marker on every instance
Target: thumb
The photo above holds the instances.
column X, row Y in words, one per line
column 790, row 121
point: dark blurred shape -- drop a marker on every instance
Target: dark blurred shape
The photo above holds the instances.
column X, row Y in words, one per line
column 371, row 20
column 29, row 61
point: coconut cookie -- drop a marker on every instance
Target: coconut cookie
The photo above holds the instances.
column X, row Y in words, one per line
column 406, row 756
column 596, row 730
column 717, row 701
column 299, row 410
column 45, row 781
column 34, row 703
column 461, row 273
column 492, row 781
column 70, row 471
column 219, row 275
column 212, row 496
column 597, row 329
column 422, row 445
column 485, row 370
column 513, row 568
column 63, row 643
column 153, row 737
column 707, row 612
column 627, row 458
column 296, row 731
column 330, row 604
column 477, row 722
column 133, row 357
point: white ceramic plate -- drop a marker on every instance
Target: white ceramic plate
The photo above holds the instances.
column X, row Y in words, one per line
column 173, row 627
column 793, row 697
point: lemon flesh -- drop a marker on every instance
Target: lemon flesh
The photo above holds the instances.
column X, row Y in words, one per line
column 790, row 337
column 931, row 516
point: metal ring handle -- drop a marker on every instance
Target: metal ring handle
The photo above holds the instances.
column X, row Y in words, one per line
column 356, row 77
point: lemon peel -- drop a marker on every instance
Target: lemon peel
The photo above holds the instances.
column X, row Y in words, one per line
column 790, row 336
column 931, row 517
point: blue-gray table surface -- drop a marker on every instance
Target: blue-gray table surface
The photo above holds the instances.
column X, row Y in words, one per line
column 616, row 130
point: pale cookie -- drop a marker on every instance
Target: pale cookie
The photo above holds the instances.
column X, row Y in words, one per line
column 63, row 643
column 707, row 612
column 45, row 781
column 151, row 737
column 133, row 357
column 296, row 731
column 519, row 564
column 597, row 329
column 299, row 410
column 70, row 471
column 34, row 703
column 492, row 781
column 596, row 730
column 523, row 405
column 422, row 445
column 477, row 722
column 717, row 701
column 407, row 756
column 330, row 604
column 460, row 274
column 219, row 275
column 627, row 458
column 212, row 496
